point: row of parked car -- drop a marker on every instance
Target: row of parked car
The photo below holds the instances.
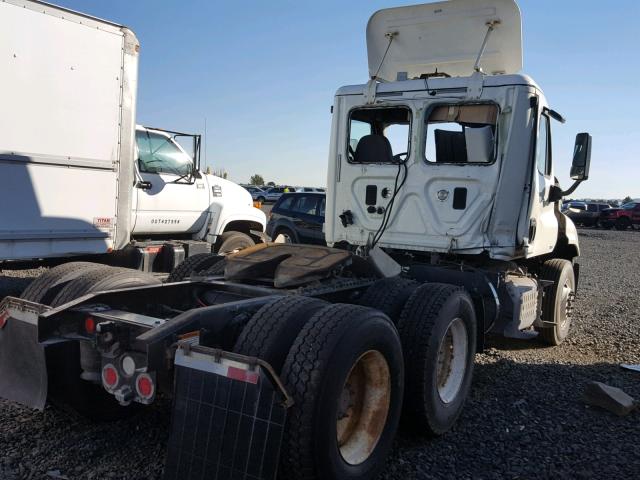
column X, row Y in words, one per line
column 595, row 214
column 298, row 217
column 272, row 194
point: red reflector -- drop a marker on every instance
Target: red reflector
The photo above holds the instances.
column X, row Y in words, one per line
column 4, row 316
column 110, row 376
column 153, row 249
column 90, row 325
column 144, row 385
column 242, row 375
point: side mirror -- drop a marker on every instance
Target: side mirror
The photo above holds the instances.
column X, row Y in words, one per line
column 581, row 157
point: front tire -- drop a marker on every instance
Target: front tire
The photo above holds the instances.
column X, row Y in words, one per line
column 557, row 304
column 438, row 332
column 230, row 242
column 345, row 374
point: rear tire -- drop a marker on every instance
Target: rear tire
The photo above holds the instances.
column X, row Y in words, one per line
column 438, row 332
column 230, row 242
column 102, row 279
column 389, row 295
column 195, row 263
column 557, row 303
column 66, row 388
column 44, row 288
column 345, row 374
column 272, row 330
column 623, row 223
column 289, row 236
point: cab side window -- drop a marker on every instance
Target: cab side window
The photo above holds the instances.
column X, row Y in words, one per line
column 543, row 146
column 321, row 207
column 158, row 154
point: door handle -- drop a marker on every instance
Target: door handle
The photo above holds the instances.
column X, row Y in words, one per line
column 144, row 185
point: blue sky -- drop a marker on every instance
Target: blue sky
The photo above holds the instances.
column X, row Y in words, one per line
column 264, row 74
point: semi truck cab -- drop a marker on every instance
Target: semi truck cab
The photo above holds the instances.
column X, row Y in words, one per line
column 447, row 149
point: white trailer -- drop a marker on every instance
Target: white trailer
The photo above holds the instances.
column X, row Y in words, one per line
column 73, row 179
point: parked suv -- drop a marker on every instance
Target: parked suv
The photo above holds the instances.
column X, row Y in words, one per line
column 274, row 193
column 298, row 217
column 256, row 193
column 622, row 218
column 587, row 214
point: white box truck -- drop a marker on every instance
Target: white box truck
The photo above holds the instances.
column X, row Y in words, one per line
column 77, row 177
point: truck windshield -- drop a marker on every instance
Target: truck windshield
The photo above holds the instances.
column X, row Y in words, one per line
column 159, row 154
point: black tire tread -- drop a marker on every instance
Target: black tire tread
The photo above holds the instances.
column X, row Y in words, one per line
column 197, row 262
column 302, row 379
column 389, row 295
column 37, row 290
column 416, row 326
column 102, row 279
column 272, row 325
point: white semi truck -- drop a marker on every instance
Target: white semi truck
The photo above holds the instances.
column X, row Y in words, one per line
column 297, row 362
column 77, row 177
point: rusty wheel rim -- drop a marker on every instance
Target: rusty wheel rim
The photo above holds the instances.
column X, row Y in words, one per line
column 363, row 407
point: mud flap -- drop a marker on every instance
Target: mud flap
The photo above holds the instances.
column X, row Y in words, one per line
column 23, row 368
column 228, row 417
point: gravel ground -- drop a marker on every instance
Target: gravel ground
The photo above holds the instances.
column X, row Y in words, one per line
column 524, row 418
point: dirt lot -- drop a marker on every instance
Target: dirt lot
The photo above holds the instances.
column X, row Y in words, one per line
column 524, row 419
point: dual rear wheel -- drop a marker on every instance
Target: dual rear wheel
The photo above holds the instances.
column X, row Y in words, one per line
column 345, row 369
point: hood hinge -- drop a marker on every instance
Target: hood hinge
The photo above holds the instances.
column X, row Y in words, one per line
column 475, row 86
column 370, row 92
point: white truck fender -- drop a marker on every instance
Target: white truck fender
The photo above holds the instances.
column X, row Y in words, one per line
column 231, row 209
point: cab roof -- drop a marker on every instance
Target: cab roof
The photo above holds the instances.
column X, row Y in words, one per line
column 439, row 84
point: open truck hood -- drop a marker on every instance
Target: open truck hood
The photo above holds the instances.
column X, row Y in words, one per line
column 446, row 36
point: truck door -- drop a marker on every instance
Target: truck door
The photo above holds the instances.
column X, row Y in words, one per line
column 543, row 231
column 305, row 219
column 169, row 198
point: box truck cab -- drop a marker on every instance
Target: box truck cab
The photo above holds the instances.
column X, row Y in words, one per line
column 173, row 196
column 77, row 176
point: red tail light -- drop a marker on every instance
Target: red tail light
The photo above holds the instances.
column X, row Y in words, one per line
column 110, row 377
column 90, row 325
column 145, row 386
